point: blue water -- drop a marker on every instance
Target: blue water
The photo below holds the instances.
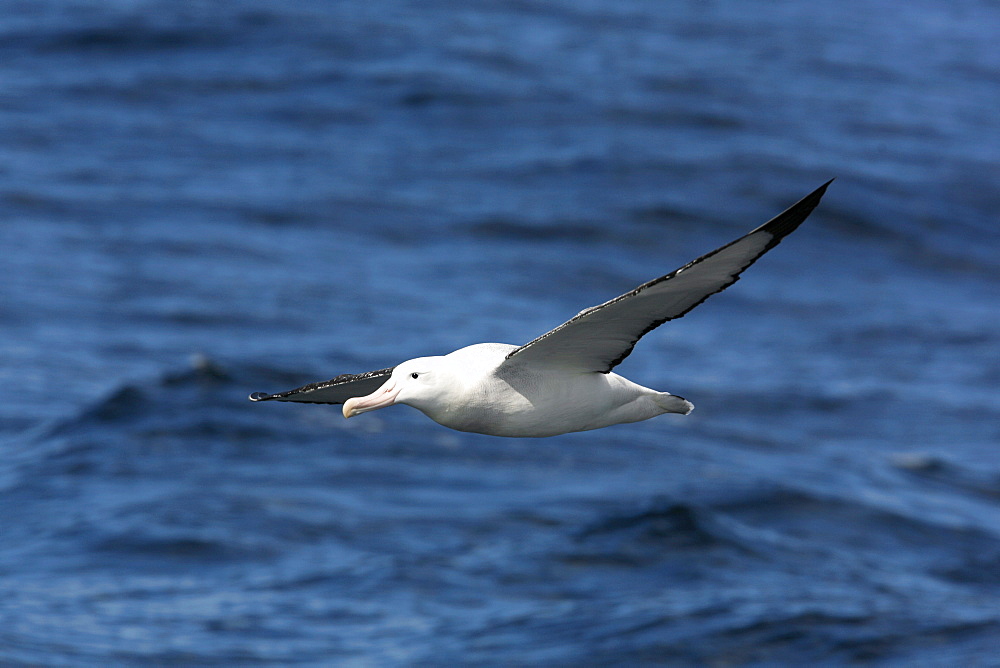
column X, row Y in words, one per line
column 201, row 200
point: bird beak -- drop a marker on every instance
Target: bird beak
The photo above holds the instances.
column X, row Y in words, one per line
column 380, row 398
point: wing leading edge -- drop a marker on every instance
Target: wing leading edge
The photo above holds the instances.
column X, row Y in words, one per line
column 599, row 338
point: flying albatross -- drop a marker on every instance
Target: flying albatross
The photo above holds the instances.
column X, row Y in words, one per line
column 562, row 381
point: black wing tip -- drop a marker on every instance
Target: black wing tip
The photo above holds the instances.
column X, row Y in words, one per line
column 788, row 220
column 819, row 192
column 261, row 396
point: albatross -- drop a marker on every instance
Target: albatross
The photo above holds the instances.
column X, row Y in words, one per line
column 562, row 381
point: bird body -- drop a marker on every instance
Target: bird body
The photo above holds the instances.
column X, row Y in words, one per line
column 561, row 381
column 477, row 389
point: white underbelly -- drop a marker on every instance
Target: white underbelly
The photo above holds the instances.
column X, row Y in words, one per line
column 540, row 406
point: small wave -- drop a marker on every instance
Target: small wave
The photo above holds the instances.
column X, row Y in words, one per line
column 939, row 470
column 664, row 529
column 131, row 400
column 145, row 426
column 429, row 95
column 180, row 547
column 131, row 37
column 907, row 233
column 543, row 232
column 678, row 523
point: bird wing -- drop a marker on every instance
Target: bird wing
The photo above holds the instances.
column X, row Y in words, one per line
column 334, row 391
column 599, row 338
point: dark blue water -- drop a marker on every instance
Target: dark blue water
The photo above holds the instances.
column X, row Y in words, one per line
column 200, row 200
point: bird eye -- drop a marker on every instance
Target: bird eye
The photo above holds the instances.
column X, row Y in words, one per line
column 414, row 375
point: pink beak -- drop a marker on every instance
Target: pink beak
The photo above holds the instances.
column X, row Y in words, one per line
column 380, row 398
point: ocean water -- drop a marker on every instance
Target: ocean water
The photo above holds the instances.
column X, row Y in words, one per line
column 200, row 200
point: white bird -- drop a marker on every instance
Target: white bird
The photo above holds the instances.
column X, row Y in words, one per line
column 562, row 381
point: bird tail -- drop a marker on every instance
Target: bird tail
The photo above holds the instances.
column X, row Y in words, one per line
column 671, row 403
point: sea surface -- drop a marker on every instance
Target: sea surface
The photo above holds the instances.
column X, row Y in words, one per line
column 199, row 200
